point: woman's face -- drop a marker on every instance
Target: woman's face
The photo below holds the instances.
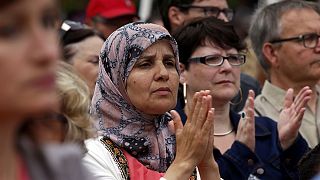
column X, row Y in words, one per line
column 86, row 59
column 152, row 84
column 223, row 81
column 29, row 51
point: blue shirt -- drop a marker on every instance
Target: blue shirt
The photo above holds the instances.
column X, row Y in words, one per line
column 268, row 161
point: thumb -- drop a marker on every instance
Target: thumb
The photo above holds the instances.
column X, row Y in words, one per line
column 176, row 121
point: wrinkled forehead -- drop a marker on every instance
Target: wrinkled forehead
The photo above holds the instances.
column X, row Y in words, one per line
column 300, row 21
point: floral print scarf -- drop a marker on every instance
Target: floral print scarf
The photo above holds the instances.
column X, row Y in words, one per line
column 145, row 137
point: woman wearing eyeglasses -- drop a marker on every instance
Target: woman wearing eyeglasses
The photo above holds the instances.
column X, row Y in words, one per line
column 245, row 146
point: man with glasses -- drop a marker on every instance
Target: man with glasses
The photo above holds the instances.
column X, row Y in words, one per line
column 176, row 13
column 285, row 38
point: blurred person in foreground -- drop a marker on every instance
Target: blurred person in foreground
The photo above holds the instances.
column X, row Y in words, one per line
column 136, row 88
column 107, row 16
column 81, row 49
column 70, row 122
column 285, row 39
column 246, row 147
column 176, row 13
column 29, row 52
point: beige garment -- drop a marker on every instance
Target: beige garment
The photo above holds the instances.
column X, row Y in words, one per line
column 270, row 102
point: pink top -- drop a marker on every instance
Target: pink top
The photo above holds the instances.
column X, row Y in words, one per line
column 138, row 171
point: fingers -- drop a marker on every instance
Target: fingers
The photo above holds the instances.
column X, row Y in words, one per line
column 302, row 98
column 246, row 127
column 193, row 104
column 288, row 99
column 208, row 126
column 203, row 112
column 177, row 123
column 196, row 110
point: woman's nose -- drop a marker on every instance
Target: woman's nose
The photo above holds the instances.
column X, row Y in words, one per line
column 226, row 65
column 162, row 72
column 45, row 45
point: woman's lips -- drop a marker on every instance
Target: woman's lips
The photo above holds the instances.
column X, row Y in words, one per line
column 162, row 91
column 46, row 81
column 224, row 82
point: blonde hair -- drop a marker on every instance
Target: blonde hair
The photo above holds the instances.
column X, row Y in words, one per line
column 75, row 101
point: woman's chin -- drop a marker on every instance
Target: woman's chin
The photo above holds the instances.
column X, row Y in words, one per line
column 161, row 108
column 41, row 104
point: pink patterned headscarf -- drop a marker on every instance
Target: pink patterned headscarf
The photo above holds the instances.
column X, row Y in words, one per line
column 144, row 136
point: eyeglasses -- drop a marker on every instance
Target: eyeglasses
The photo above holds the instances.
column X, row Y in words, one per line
column 210, row 10
column 309, row 40
column 217, row 60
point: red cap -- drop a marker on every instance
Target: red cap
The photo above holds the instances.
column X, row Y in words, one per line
column 110, row 8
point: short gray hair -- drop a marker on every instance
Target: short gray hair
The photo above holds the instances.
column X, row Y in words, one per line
column 266, row 24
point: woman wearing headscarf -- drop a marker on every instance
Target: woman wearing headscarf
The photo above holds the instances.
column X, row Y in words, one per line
column 136, row 87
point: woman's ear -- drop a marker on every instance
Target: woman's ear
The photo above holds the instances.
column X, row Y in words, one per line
column 270, row 52
column 183, row 73
column 176, row 17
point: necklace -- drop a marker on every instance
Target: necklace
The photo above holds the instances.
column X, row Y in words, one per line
column 223, row 134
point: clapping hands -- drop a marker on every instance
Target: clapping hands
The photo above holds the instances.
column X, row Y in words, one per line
column 246, row 126
column 291, row 116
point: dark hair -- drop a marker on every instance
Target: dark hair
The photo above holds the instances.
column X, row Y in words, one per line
column 73, row 32
column 200, row 30
column 164, row 6
column 309, row 165
column 5, row 3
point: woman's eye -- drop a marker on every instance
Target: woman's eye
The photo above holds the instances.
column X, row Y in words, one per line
column 144, row 64
column 9, row 31
column 94, row 60
column 49, row 21
column 170, row 63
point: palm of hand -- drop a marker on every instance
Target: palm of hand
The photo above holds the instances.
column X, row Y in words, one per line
column 290, row 118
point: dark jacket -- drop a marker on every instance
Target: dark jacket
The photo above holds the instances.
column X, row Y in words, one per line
column 269, row 160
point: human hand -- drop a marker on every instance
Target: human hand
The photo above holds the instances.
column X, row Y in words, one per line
column 195, row 135
column 291, row 116
column 246, row 126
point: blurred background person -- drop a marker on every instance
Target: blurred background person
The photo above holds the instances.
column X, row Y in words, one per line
column 81, row 49
column 108, row 15
column 70, row 122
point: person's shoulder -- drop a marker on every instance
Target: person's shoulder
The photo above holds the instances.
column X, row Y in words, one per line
column 250, row 83
column 64, row 160
column 100, row 161
column 95, row 147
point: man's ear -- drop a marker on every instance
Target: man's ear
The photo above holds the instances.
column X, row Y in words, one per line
column 183, row 73
column 270, row 52
column 176, row 17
